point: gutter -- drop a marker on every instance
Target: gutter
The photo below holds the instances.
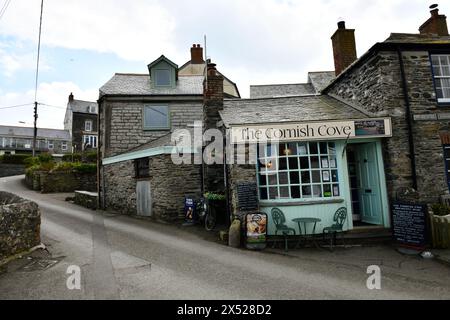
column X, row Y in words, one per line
column 408, row 119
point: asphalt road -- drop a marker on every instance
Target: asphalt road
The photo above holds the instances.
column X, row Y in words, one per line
column 125, row 258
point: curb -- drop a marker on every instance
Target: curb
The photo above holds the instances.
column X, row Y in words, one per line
column 21, row 254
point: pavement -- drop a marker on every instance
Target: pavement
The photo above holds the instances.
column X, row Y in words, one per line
column 121, row 257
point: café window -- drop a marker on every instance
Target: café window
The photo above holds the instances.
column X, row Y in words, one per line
column 441, row 73
column 306, row 170
column 156, row 118
column 142, row 168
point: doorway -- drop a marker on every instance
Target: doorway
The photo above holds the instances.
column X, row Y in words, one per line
column 365, row 186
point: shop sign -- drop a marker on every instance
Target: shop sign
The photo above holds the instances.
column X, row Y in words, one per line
column 328, row 130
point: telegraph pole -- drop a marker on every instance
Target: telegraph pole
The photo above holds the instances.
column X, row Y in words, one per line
column 35, row 128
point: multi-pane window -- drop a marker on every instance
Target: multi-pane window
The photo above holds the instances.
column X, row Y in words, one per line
column 88, row 125
column 156, row 118
column 441, row 72
column 162, row 78
column 51, row 145
column 90, row 141
column 142, row 168
column 306, row 170
column 64, row 146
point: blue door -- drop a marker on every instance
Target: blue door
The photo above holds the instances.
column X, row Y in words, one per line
column 369, row 184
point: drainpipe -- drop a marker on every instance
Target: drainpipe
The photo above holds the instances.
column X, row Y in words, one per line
column 408, row 119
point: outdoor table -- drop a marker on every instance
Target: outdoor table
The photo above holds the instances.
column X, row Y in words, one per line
column 305, row 222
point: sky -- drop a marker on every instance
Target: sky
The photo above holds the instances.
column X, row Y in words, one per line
column 85, row 42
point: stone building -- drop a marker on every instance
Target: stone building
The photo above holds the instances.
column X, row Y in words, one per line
column 379, row 125
column 138, row 114
column 81, row 121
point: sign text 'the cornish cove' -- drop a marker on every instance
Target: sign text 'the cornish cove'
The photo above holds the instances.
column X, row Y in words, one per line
column 332, row 130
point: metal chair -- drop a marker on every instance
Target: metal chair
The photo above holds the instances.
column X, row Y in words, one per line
column 339, row 218
column 280, row 225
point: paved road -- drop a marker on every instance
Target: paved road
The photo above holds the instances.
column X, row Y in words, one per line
column 125, row 258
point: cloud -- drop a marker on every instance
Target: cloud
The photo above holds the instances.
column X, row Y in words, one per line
column 54, row 94
column 134, row 30
column 10, row 63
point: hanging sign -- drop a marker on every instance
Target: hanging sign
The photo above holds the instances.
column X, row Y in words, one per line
column 326, row 130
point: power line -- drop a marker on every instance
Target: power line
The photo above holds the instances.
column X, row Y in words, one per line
column 48, row 105
column 5, row 6
column 18, row 106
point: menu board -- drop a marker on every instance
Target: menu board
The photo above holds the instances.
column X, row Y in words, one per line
column 409, row 224
column 247, row 196
column 189, row 209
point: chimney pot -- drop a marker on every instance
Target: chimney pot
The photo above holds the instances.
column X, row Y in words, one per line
column 436, row 24
column 341, row 25
column 71, row 97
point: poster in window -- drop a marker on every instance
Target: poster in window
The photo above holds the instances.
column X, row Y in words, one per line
column 325, row 163
column 326, row 176
column 336, row 191
column 332, row 163
column 302, row 149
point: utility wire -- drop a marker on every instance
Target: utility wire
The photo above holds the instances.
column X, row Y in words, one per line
column 19, row 106
column 39, row 51
column 3, row 9
column 48, row 105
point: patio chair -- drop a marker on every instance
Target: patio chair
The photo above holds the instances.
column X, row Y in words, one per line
column 339, row 218
column 280, row 225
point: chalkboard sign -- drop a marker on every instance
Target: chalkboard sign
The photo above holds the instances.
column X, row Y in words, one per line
column 247, row 196
column 409, row 221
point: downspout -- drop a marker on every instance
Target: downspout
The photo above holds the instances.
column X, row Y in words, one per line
column 408, row 119
column 99, row 148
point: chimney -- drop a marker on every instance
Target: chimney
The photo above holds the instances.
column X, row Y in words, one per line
column 197, row 54
column 344, row 47
column 213, row 174
column 436, row 24
column 71, row 97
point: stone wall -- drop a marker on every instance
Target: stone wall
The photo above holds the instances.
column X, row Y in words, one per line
column 169, row 185
column 9, row 170
column 20, row 223
column 122, row 123
column 56, row 182
column 376, row 86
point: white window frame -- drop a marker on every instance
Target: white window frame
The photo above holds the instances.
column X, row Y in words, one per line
column 440, row 66
column 51, row 145
column 64, row 146
column 324, row 176
column 88, row 125
column 92, row 140
column 92, row 109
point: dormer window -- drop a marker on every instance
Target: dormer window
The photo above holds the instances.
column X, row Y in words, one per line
column 163, row 73
column 162, row 78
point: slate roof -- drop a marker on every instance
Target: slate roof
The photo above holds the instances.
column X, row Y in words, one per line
column 417, row 38
column 80, row 106
column 321, row 79
column 27, row 132
column 140, row 84
column 280, row 90
column 289, row 109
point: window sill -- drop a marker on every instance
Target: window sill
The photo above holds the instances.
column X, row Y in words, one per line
column 157, row 129
column 266, row 204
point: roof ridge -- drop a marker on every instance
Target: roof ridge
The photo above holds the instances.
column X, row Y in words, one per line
column 18, row 127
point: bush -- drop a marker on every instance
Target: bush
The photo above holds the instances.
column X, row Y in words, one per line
column 14, row 158
column 440, row 210
column 31, row 161
column 73, row 157
column 85, row 167
column 64, row 167
column 45, row 158
column 90, row 157
column 214, row 196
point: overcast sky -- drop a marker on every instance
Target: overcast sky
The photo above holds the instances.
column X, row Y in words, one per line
column 253, row 42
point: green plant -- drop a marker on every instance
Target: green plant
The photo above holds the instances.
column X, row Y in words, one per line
column 91, row 156
column 31, row 161
column 85, row 167
column 64, row 167
column 73, row 157
column 45, row 158
column 14, row 158
column 214, row 196
column 440, row 210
